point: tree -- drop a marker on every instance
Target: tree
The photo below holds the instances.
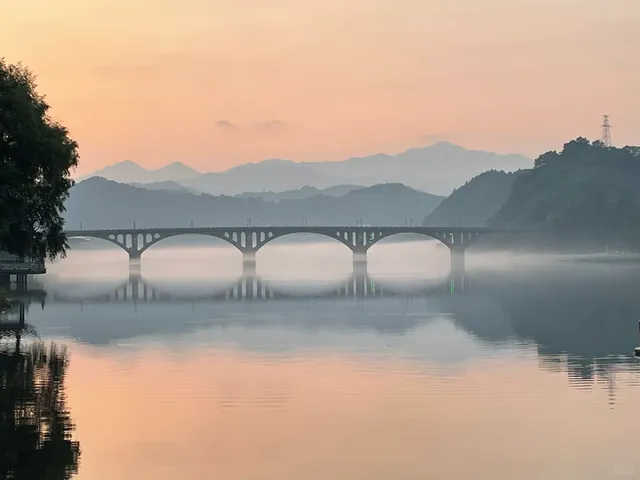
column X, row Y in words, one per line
column 36, row 157
column 587, row 191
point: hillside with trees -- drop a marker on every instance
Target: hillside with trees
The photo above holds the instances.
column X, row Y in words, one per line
column 474, row 203
column 100, row 203
column 587, row 192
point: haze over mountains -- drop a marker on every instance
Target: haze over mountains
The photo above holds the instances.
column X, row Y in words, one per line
column 130, row 172
column 300, row 193
column 99, row 203
column 437, row 169
column 378, row 190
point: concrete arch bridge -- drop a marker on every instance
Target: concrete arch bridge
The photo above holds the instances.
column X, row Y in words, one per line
column 249, row 240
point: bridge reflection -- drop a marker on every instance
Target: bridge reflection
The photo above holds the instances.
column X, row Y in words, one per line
column 137, row 289
column 582, row 326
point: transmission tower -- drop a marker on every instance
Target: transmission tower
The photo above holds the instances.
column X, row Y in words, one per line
column 606, row 132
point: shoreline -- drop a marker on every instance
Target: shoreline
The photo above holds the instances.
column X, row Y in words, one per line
column 605, row 258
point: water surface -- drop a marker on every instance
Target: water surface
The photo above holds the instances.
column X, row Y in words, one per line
column 184, row 368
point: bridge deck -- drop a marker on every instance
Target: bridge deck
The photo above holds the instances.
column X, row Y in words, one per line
column 286, row 228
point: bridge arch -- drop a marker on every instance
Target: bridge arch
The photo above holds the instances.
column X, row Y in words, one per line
column 344, row 236
column 149, row 240
column 117, row 240
column 135, row 243
column 445, row 237
column 249, row 240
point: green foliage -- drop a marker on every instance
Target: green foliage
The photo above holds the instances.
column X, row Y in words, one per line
column 36, row 156
column 587, row 189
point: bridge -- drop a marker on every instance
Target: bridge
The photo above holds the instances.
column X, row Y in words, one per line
column 249, row 240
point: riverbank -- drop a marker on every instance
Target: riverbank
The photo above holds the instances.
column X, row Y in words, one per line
column 614, row 258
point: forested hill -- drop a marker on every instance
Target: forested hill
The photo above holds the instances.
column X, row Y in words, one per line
column 586, row 189
column 100, row 203
column 474, row 203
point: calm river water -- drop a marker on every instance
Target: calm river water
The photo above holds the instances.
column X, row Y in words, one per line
column 184, row 369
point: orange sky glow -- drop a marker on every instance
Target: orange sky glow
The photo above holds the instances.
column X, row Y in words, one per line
column 216, row 83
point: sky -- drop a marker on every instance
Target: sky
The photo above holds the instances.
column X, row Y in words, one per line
column 217, row 83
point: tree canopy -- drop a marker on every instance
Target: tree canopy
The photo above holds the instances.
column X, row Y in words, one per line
column 475, row 202
column 587, row 189
column 36, row 158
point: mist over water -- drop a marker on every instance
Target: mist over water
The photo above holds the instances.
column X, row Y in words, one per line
column 180, row 367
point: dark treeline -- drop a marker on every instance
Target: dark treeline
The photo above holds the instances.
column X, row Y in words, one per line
column 587, row 193
column 582, row 198
column 474, row 203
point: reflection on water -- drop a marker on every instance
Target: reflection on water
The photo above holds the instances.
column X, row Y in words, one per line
column 137, row 289
column 295, row 372
column 35, row 427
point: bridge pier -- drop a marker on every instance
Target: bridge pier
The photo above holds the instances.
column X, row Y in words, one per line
column 249, row 263
column 135, row 279
column 360, row 262
column 135, row 269
column 250, row 289
column 21, row 281
column 457, row 283
column 360, row 281
column 457, row 260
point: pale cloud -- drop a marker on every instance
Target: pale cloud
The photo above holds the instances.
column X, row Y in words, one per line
column 226, row 125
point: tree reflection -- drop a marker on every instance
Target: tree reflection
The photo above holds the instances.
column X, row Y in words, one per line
column 35, row 427
column 583, row 320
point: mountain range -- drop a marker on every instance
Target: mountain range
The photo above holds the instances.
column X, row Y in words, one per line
column 438, row 169
column 300, row 193
column 130, row 172
column 100, row 203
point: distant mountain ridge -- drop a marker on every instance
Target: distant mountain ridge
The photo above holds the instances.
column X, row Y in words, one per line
column 99, row 203
column 304, row 192
column 275, row 176
column 168, row 185
column 438, row 168
column 130, row 172
column 298, row 194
